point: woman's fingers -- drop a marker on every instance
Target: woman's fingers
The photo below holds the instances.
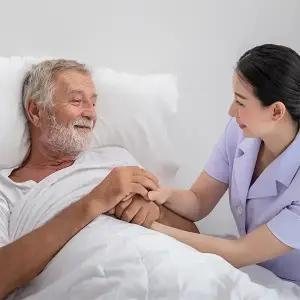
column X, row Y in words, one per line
column 160, row 196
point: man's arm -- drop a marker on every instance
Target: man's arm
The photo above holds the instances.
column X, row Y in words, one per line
column 25, row 258
column 22, row 260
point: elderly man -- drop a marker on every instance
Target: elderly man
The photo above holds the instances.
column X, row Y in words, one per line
column 59, row 99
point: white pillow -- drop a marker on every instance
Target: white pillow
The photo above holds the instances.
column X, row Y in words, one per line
column 132, row 113
column 14, row 131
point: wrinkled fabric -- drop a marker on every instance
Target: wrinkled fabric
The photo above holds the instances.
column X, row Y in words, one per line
column 110, row 259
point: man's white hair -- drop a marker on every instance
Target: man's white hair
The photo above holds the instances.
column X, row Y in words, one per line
column 39, row 82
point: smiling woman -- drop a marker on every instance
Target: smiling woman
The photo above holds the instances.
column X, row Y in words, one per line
column 258, row 159
column 266, row 86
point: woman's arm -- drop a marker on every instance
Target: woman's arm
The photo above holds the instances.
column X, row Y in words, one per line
column 197, row 202
column 169, row 218
column 143, row 212
column 193, row 204
column 258, row 246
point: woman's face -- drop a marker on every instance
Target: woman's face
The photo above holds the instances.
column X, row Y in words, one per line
column 254, row 119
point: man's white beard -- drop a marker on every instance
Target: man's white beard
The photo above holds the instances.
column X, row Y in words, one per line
column 67, row 141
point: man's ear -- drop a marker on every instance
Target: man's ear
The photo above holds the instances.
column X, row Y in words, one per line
column 33, row 112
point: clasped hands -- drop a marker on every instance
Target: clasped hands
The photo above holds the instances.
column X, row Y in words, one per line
column 130, row 194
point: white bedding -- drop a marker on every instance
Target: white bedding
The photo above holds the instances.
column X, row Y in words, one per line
column 266, row 278
column 110, row 259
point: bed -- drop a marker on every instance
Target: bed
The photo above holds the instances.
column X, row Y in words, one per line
column 110, row 259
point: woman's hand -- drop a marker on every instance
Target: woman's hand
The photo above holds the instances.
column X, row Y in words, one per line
column 160, row 195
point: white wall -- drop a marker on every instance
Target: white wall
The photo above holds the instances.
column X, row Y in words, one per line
column 199, row 41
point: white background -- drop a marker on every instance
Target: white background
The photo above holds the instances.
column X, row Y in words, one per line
column 198, row 40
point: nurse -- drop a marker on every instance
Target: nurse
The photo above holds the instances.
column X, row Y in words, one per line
column 258, row 159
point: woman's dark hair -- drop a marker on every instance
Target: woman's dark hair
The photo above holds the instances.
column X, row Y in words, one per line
column 274, row 73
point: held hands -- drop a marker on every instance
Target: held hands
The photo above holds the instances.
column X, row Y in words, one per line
column 120, row 185
column 131, row 194
column 141, row 211
column 137, row 210
column 160, row 195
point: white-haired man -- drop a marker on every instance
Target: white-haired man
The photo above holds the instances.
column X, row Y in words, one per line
column 59, row 99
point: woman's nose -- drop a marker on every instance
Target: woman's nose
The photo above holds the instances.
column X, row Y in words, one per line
column 233, row 110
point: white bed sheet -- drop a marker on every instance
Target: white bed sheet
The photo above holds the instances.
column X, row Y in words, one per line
column 110, row 259
column 268, row 279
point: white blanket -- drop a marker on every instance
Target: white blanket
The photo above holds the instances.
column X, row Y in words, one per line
column 110, row 259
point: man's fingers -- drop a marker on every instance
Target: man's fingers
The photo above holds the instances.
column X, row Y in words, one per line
column 130, row 212
column 145, row 182
column 142, row 172
column 128, row 197
column 140, row 217
column 139, row 189
column 111, row 211
column 148, row 220
column 119, row 209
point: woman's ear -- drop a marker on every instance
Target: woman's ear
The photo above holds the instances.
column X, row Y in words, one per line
column 279, row 110
column 33, row 112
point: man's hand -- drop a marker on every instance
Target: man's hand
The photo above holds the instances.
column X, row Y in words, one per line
column 137, row 210
column 119, row 186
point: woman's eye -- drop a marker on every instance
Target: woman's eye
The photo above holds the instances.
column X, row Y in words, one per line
column 77, row 100
column 239, row 103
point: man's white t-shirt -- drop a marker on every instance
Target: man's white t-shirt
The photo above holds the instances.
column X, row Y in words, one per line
column 11, row 192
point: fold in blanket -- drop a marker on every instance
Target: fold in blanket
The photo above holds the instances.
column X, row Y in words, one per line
column 110, row 259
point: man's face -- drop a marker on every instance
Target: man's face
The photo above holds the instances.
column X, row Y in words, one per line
column 67, row 125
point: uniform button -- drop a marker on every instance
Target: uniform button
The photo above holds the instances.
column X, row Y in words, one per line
column 239, row 210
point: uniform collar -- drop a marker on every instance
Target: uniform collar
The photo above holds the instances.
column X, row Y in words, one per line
column 282, row 169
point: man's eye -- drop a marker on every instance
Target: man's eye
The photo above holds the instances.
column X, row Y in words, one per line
column 77, row 100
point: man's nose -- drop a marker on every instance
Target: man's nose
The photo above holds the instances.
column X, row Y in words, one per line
column 89, row 111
